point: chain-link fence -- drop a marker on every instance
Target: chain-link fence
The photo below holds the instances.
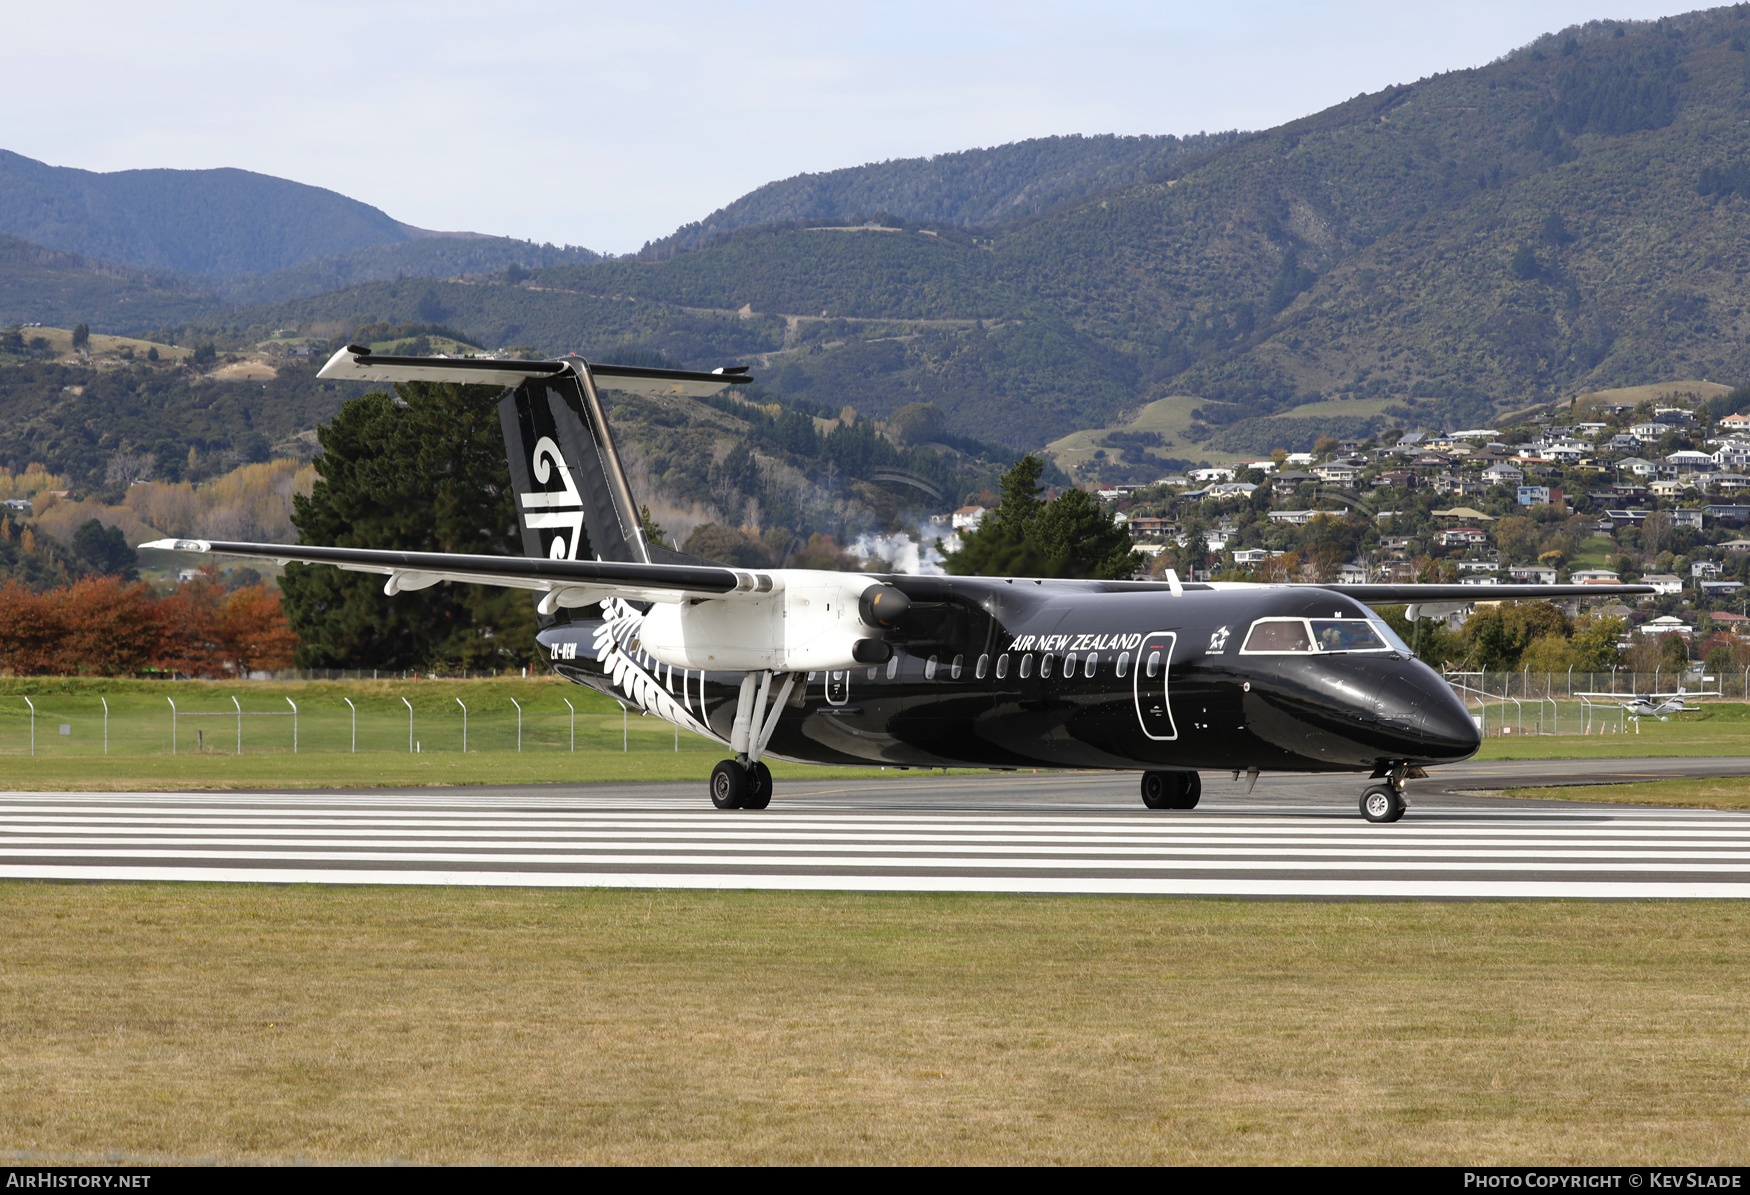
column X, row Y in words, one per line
column 1527, row 702
column 246, row 723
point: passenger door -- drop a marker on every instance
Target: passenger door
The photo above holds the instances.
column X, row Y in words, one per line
column 1153, row 663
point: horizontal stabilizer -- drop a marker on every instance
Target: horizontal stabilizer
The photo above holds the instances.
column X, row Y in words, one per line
column 356, row 364
column 569, row 583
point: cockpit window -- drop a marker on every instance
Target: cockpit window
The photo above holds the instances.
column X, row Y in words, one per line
column 1347, row 634
column 1391, row 637
column 1278, row 634
column 1273, row 635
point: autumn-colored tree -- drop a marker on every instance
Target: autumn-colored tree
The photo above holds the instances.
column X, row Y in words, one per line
column 107, row 627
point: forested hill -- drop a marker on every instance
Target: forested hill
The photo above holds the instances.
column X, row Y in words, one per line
column 1574, row 216
column 972, row 188
column 189, row 221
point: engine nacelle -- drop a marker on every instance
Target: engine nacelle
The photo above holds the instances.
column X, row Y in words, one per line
column 811, row 621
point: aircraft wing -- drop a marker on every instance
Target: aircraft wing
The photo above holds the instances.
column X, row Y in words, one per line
column 356, row 364
column 1395, row 595
column 569, row 583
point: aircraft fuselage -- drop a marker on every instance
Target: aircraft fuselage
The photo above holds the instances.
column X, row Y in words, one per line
column 1067, row 674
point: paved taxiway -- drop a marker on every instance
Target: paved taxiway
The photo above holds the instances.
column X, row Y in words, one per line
column 1295, row 836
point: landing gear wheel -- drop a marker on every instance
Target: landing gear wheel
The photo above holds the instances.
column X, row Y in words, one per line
column 1158, row 790
column 1193, row 791
column 1171, row 790
column 728, row 785
column 1382, row 803
column 759, row 787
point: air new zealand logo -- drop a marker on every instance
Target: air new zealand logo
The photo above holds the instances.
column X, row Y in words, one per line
column 554, row 508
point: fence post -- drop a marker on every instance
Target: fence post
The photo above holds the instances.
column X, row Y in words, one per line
column 105, row 701
column 32, row 706
column 355, row 723
column 409, row 706
column 625, row 728
column 172, row 702
column 464, row 724
column 294, row 706
column 239, row 706
column 573, row 710
column 519, row 724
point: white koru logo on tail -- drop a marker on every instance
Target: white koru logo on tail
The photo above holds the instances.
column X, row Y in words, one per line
column 559, row 508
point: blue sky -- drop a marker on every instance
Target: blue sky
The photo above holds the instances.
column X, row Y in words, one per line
column 610, row 124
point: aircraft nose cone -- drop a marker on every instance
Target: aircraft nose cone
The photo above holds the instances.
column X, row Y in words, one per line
column 1423, row 712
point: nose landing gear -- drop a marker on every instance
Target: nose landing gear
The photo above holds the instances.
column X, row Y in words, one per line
column 1383, row 803
column 735, row 785
column 1171, row 790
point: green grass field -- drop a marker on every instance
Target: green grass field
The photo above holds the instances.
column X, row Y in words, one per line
column 610, row 745
column 551, row 1026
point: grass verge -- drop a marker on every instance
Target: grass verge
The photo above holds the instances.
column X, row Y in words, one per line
column 467, row 1025
column 1723, row 793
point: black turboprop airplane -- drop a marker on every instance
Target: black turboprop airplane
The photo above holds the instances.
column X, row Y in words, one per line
column 857, row 668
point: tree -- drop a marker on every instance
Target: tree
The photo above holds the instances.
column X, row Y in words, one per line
column 917, row 423
column 81, row 336
column 106, row 550
column 205, row 354
column 422, row 472
column 1072, row 536
column 1593, row 647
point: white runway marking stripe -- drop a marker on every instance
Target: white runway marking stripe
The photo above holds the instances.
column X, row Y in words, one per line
column 348, row 839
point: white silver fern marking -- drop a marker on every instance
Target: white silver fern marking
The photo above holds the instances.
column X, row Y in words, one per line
column 620, row 628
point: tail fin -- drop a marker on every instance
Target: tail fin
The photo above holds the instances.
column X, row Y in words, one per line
column 572, row 493
column 570, row 487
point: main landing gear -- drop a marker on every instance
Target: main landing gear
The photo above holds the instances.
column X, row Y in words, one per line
column 1171, row 790
column 744, row 782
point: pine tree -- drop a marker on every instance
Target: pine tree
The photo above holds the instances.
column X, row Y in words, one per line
column 424, row 471
column 1026, row 536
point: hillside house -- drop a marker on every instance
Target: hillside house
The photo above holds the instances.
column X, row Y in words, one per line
column 967, row 518
column 1463, row 537
column 1532, row 575
column 1720, row 588
column 1691, row 461
column 1539, row 495
column 1624, row 442
column 1705, row 570
column 1205, row 476
column 1295, row 518
column 1634, row 466
column 1652, row 429
column 1687, row 518
column 1665, row 624
column 1149, row 527
column 1337, row 473
column 1251, row 556
column 1594, row 576
column 1502, row 474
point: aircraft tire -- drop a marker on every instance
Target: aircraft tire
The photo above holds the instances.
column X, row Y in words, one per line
column 728, row 785
column 1381, row 804
column 759, row 787
column 1159, row 790
column 1192, row 792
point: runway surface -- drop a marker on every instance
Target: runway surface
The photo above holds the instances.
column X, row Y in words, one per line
column 1294, row 836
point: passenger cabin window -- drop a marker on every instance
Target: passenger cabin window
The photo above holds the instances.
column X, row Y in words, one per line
column 1045, row 665
column 1026, row 666
column 930, row 668
column 1154, row 664
column 1003, row 666
column 983, row 667
column 1093, row 663
column 955, row 668
column 893, row 666
column 1123, row 663
column 1069, row 666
